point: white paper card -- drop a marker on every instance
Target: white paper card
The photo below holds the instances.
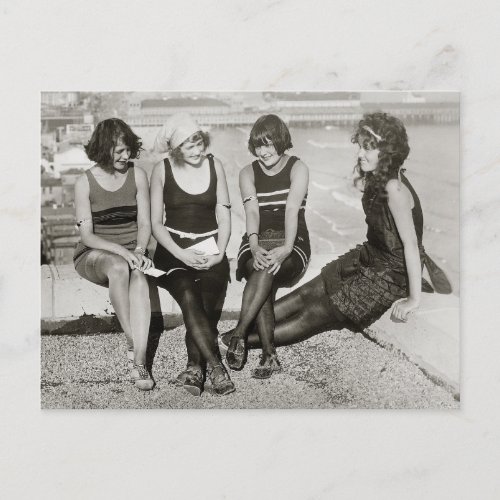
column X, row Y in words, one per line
column 208, row 246
column 152, row 271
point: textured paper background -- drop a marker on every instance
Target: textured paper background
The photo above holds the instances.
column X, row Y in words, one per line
column 239, row 45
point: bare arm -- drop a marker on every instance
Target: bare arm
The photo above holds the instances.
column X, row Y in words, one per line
column 143, row 208
column 252, row 216
column 299, row 178
column 223, row 215
column 400, row 205
column 84, row 214
column 143, row 217
column 160, row 232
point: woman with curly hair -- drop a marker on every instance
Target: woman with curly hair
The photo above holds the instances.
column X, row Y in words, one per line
column 112, row 212
column 358, row 287
column 190, row 209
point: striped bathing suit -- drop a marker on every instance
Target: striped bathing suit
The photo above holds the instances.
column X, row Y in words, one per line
column 272, row 193
column 114, row 214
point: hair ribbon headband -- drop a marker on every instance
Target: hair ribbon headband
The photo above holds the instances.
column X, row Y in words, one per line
column 369, row 130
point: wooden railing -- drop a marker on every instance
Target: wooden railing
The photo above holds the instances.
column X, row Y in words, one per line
column 59, row 237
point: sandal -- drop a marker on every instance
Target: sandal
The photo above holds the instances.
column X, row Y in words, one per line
column 221, row 383
column 237, row 353
column 223, row 341
column 268, row 365
column 191, row 379
column 141, row 377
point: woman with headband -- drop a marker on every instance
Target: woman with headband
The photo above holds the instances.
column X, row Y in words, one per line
column 189, row 187
column 275, row 250
column 357, row 288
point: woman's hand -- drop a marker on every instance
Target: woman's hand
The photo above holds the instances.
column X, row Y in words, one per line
column 212, row 260
column 193, row 258
column 145, row 263
column 260, row 257
column 276, row 256
column 403, row 308
column 132, row 258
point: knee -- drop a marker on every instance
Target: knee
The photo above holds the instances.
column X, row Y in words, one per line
column 139, row 280
column 313, row 291
column 118, row 268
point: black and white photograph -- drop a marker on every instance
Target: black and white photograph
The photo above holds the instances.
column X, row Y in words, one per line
column 260, row 257
column 250, row 250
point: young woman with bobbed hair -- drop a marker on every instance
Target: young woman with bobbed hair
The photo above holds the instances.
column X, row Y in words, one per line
column 275, row 250
column 358, row 287
column 112, row 212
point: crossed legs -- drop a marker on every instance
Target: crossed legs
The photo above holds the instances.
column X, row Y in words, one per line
column 301, row 314
column 201, row 304
column 201, row 300
column 257, row 305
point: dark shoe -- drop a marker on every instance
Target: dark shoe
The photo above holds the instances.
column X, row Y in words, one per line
column 141, row 377
column 268, row 365
column 221, row 383
column 194, row 382
column 191, row 379
column 237, row 353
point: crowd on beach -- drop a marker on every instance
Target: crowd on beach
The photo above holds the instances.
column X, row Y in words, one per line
column 186, row 207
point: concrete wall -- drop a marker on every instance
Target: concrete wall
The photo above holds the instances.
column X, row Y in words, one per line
column 430, row 338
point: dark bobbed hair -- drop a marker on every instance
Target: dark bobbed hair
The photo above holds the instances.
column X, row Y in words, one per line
column 176, row 153
column 393, row 148
column 267, row 129
column 104, row 139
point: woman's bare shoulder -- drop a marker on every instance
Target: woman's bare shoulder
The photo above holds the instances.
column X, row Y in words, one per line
column 247, row 171
column 398, row 193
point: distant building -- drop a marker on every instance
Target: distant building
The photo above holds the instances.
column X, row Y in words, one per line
column 59, row 109
column 52, row 191
column 78, row 133
column 314, row 100
column 65, row 99
column 68, row 180
column 155, row 112
column 72, row 158
column 193, row 105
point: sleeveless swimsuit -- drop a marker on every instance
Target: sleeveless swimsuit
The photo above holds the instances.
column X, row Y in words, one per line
column 272, row 192
column 114, row 214
column 363, row 283
column 189, row 217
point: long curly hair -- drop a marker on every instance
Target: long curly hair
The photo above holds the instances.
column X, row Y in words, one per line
column 387, row 134
column 104, row 139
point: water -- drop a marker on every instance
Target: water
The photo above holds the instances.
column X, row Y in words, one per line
column 334, row 215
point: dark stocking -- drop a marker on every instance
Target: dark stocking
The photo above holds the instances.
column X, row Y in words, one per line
column 213, row 295
column 257, row 291
column 199, row 328
column 265, row 325
column 301, row 314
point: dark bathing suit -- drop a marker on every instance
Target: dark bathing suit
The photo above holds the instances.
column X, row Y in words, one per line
column 272, row 192
column 364, row 283
column 190, row 213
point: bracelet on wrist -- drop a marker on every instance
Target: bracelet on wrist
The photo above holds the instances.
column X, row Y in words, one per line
column 139, row 249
